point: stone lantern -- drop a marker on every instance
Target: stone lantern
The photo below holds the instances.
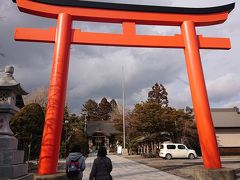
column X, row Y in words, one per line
column 11, row 159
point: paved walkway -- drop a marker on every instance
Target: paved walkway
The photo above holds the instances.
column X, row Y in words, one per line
column 125, row 169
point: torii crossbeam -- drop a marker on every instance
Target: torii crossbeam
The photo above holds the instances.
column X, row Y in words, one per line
column 129, row 15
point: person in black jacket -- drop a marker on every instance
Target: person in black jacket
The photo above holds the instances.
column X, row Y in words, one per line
column 102, row 166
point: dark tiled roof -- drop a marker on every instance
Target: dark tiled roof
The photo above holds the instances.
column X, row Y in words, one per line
column 105, row 127
column 226, row 117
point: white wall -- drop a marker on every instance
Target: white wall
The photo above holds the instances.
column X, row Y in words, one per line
column 226, row 139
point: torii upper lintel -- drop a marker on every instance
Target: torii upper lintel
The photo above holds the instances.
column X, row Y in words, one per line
column 65, row 11
column 118, row 13
column 136, row 7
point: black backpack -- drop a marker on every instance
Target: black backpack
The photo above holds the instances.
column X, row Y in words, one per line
column 73, row 168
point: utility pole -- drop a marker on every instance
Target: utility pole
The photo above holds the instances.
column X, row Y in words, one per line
column 29, row 149
column 85, row 124
column 66, row 123
column 123, row 109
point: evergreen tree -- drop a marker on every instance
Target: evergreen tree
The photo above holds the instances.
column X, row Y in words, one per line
column 117, row 119
column 104, row 109
column 114, row 106
column 71, row 124
column 185, row 129
column 158, row 94
column 90, row 110
column 79, row 138
column 27, row 126
column 148, row 118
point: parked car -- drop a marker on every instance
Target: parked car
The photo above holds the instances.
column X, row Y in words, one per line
column 173, row 150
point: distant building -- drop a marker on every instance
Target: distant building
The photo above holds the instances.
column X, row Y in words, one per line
column 101, row 133
column 227, row 126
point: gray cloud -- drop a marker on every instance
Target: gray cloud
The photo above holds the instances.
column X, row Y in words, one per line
column 224, row 88
column 96, row 71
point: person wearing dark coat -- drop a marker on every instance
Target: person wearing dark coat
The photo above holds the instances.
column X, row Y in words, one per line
column 102, row 166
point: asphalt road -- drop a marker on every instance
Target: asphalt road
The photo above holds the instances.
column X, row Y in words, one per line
column 184, row 167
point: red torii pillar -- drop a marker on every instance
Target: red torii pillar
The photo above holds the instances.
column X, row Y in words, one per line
column 129, row 15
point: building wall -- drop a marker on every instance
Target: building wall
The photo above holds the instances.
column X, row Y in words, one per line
column 228, row 139
column 229, row 150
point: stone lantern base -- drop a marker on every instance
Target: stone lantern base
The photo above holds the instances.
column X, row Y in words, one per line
column 11, row 159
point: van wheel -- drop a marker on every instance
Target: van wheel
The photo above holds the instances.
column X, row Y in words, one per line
column 191, row 156
column 168, row 156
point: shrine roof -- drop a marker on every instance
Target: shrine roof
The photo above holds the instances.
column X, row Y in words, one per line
column 105, row 127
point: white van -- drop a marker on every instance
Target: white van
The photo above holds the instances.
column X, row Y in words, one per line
column 173, row 150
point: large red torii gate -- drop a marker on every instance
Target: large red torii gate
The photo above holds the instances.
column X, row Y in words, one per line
column 66, row 11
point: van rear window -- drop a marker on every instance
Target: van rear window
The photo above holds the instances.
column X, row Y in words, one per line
column 171, row 147
column 181, row 147
column 161, row 147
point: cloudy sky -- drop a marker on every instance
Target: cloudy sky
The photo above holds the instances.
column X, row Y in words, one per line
column 97, row 71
